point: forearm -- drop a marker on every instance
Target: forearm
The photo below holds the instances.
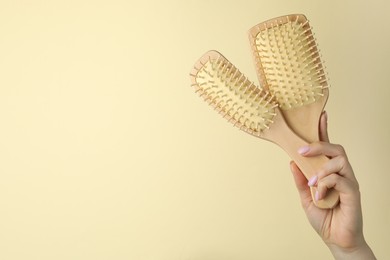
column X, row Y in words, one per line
column 362, row 253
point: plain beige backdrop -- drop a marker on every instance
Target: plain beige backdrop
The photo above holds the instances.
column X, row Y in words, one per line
column 106, row 152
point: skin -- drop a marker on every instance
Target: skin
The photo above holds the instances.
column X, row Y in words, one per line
column 341, row 228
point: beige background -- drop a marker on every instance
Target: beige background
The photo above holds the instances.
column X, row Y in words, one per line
column 106, row 152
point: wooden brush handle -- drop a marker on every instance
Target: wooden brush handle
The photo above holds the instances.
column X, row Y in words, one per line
column 283, row 136
column 309, row 166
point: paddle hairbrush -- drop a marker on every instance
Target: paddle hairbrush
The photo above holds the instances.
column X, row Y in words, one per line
column 252, row 110
column 289, row 66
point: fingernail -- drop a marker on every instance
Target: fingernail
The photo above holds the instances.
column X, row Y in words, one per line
column 312, row 181
column 317, row 196
column 303, row 150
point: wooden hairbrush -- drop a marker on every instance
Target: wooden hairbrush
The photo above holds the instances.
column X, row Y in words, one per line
column 288, row 65
column 251, row 109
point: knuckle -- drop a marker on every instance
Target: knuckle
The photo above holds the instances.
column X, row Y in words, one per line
column 321, row 173
column 329, row 181
column 321, row 185
column 335, row 178
column 340, row 149
column 343, row 160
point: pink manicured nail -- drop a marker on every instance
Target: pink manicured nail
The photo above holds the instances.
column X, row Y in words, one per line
column 317, row 196
column 303, row 150
column 312, row 181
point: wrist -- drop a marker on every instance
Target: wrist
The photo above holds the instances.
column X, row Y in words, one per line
column 363, row 252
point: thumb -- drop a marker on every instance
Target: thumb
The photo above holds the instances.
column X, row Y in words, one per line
column 323, row 127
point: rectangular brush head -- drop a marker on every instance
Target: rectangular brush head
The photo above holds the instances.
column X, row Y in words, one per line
column 288, row 61
column 236, row 98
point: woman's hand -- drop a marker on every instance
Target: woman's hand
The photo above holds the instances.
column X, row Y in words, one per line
column 341, row 228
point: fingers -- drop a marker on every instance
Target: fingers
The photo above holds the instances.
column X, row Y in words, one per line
column 322, row 148
column 339, row 165
column 338, row 162
column 345, row 186
column 323, row 127
column 337, row 173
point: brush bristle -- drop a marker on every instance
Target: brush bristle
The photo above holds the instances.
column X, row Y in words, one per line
column 289, row 61
column 236, row 98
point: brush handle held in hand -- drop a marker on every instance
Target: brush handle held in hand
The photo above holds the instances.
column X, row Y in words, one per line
column 309, row 166
column 251, row 109
column 290, row 142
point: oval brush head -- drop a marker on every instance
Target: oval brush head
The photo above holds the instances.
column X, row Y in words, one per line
column 289, row 65
column 236, row 98
column 253, row 110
